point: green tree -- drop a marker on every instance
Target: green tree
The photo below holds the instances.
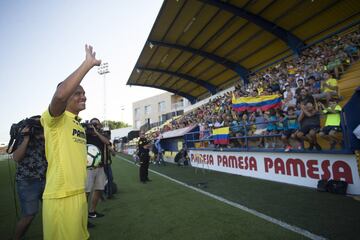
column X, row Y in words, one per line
column 115, row 124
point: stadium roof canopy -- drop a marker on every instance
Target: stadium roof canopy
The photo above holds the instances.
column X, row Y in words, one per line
column 199, row 47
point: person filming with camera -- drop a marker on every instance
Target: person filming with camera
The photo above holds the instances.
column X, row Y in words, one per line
column 31, row 164
column 96, row 178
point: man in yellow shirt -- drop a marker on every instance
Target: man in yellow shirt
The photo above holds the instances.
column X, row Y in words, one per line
column 329, row 88
column 330, row 84
column 64, row 200
column 332, row 123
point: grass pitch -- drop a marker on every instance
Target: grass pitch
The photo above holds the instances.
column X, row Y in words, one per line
column 163, row 209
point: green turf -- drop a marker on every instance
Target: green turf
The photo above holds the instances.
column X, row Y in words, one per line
column 8, row 203
column 325, row 214
column 162, row 209
column 158, row 210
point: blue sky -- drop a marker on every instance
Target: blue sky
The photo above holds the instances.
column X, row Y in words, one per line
column 42, row 42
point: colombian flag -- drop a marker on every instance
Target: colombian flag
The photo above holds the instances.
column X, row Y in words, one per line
column 253, row 103
column 221, row 135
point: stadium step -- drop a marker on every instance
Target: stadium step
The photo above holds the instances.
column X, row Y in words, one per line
column 349, row 81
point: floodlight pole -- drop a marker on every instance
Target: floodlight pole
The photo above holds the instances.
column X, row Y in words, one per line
column 103, row 70
column 122, row 108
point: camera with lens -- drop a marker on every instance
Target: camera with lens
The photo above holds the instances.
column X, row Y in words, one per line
column 89, row 129
column 88, row 126
column 35, row 128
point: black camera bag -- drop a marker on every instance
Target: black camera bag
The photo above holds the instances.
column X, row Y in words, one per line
column 322, row 185
column 337, row 187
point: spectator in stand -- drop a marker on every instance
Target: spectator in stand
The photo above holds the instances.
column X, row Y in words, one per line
column 351, row 50
column 300, row 86
column 288, row 101
column 288, row 90
column 332, row 123
column 309, row 120
column 310, row 66
column 201, row 132
column 291, row 119
column 274, row 86
column 291, row 81
column 260, row 127
column 252, row 121
column 304, row 97
column 271, row 118
column 314, row 85
column 235, row 129
column 335, row 63
column 280, row 125
column 219, row 122
column 243, row 129
column 329, row 88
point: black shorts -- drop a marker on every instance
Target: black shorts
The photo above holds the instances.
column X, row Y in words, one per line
column 305, row 130
column 327, row 129
column 288, row 132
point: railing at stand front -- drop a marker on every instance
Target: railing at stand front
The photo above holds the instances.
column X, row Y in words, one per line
column 210, row 138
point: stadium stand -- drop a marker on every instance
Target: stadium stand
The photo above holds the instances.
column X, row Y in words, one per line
column 288, row 78
column 251, row 69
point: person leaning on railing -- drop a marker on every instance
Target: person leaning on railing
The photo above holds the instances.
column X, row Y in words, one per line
column 309, row 120
column 291, row 119
column 271, row 118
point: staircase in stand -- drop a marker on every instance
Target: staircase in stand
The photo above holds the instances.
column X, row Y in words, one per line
column 349, row 81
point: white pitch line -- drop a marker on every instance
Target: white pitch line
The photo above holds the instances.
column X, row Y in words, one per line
column 242, row 207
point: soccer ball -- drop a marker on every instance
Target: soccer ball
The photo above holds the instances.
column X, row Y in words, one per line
column 93, row 155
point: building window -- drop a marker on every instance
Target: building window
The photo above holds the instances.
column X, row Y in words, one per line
column 137, row 113
column 148, row 110
column 161, row 106
column 137, row 124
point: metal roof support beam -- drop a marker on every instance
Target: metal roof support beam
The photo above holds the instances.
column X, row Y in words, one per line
column 192, row 99
column 240, row 70
column 290, row 39
column 211, row 88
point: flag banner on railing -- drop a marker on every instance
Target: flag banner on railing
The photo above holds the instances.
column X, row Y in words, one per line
column 253, row 103
column 221, row 135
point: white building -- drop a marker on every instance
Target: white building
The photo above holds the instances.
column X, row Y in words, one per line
column 158, row 108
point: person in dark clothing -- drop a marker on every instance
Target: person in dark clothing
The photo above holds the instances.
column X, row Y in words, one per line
column 143, row 150
column 31, row 166
column 309, row 120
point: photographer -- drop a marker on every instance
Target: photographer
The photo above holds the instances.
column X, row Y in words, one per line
column 96, row 178
column 143, row 151
column 31, row 167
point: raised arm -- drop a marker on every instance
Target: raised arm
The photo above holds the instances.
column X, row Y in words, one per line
column 19, row 153
column 102, row 138
column 69, row 85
